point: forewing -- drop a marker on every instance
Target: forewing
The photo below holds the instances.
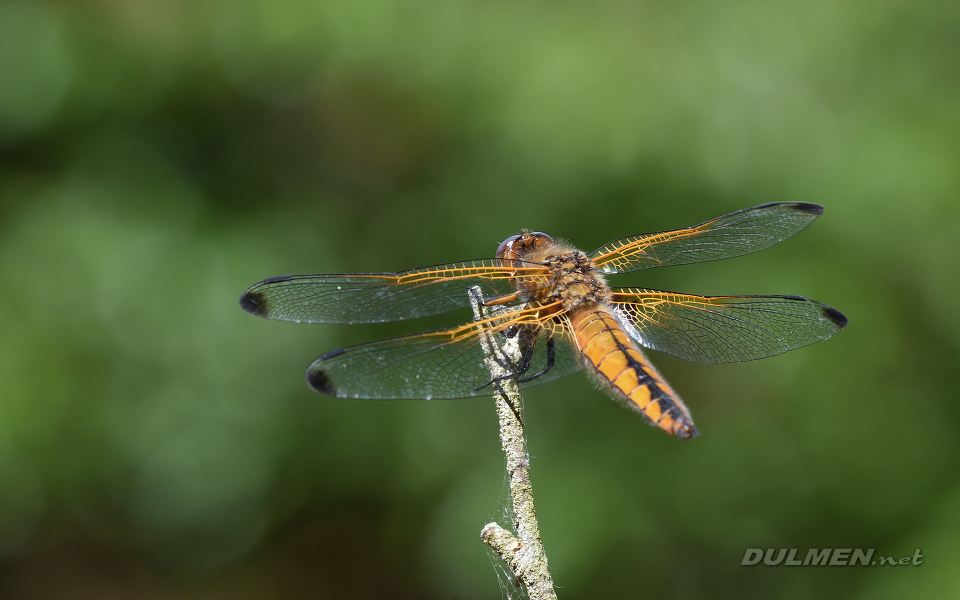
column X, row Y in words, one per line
column 378, row 297
column 448, row 363
column 736, row 234
column 718, row 329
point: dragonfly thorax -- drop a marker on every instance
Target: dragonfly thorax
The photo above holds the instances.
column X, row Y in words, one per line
column 575, row 280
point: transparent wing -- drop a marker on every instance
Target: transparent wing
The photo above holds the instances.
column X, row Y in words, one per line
column 717, row 329
column 736, row 234
column 447, row 363
column 378, row 297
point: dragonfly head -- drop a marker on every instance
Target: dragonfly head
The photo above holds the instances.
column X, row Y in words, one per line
column 521, row 246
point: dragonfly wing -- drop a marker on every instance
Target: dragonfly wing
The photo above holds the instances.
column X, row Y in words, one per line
column 736, row 234
column 378, row 297
column 718, row 329
column 448, row 363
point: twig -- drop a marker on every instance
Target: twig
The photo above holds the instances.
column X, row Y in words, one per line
column 522, row 553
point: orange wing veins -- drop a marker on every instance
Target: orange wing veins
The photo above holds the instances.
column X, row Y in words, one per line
column 378, row 297
column 736, row 234
column 716, row 329
column 447, row 363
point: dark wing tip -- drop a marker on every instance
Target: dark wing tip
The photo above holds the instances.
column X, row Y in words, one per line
column 835, row 316
column 254, row 303
column 808, row 207
column 319, row 381
column 317, row 376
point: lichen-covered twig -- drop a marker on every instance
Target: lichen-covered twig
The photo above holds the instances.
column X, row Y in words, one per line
column 522, row 553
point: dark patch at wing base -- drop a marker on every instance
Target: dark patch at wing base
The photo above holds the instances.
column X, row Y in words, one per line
column 254, row 303
column 320, row 382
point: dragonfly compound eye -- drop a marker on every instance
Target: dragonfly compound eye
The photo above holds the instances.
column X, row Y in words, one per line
column 517, row 246
column 507, row 248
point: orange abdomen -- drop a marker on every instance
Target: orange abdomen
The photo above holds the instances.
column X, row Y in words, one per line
column 623, row 367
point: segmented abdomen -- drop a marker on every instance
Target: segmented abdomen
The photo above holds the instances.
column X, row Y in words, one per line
column 627, row 372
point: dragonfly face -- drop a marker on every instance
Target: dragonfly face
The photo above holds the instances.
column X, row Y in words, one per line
column 556, row 299
column 523, row 245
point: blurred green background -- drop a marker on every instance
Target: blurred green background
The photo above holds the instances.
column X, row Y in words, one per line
column 157, row 157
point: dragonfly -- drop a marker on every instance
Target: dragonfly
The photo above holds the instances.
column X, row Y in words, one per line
column 555, row 300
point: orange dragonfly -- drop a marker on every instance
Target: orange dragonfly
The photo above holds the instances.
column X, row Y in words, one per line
column 556, row 299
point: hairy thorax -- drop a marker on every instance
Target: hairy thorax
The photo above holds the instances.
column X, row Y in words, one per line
column 574, row 279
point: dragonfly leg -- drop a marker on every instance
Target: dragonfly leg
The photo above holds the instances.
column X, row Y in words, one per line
column 524, row 365
column 551, row 358
column 500, row 300
column 518, row 370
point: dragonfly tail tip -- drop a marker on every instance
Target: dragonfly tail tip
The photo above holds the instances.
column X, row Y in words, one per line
column 686, row 431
